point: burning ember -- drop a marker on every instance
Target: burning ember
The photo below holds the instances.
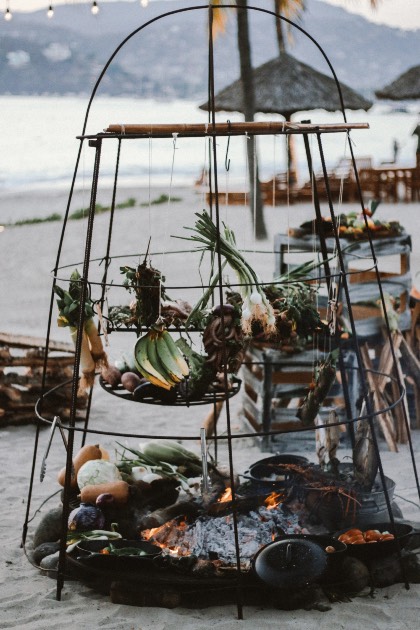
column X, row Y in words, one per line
column 273, row 500
column 212, row 538
column 226, row 496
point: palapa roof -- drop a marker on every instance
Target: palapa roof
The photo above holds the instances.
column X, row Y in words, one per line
column 406, row 86
column 284, row 86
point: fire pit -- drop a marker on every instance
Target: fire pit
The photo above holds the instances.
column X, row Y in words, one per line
column 212, row 537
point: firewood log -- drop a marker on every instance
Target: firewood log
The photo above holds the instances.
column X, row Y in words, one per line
column 163, row 515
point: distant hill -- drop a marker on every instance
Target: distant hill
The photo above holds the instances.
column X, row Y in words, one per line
column 169, row 58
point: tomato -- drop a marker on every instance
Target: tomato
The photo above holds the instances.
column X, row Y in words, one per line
column 372, row 535
column 356, row 540
column 354, row 532
column 386, row 537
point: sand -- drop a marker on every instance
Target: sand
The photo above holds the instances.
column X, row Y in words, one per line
column 28, row 598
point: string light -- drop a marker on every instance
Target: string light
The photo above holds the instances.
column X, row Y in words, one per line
column 144, row 3
column 94, row 9
column 8, row 14
column 50, row 11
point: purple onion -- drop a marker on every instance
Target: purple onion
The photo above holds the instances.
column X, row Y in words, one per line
column 85, row 518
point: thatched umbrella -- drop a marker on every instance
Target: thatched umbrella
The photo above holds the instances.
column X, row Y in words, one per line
column 404, row 87
column 286, row 86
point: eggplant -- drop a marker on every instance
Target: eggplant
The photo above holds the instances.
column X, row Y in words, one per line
column 149, row 391
column 86, row 517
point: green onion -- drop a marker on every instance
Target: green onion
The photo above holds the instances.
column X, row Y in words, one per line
column 255, row 306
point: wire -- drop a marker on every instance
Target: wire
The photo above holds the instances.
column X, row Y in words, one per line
column 398, row 496
column 42, row 504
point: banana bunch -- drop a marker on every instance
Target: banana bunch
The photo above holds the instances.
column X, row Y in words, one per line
column 159, row 359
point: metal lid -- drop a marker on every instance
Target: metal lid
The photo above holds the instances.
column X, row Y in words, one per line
column 290, row 562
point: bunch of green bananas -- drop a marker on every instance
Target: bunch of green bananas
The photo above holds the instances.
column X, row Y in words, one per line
column 159, row 359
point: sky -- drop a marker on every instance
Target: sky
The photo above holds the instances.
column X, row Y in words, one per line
column 398, row 13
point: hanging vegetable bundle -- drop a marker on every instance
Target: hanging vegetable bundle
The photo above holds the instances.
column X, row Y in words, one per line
column 255, row 306
column 92, row 354
column 296, row 310
column 318, row 391
column 146, row 284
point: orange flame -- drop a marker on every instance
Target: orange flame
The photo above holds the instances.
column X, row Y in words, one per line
column 154, row 533
column 226, row 496
column 273, row 500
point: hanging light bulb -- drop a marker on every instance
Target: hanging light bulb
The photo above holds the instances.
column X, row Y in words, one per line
column 50, row 11
column 94, row 8
column 8, row 14
column 144, row 3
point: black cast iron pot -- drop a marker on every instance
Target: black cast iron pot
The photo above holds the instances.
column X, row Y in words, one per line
column 298, row 560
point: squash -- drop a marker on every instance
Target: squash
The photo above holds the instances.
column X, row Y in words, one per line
column 61, row 478
column 119, row 490
column 85, row 454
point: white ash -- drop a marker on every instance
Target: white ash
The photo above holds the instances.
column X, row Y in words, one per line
column 214, row 537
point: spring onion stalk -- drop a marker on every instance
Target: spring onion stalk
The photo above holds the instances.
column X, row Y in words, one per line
column 126, row 464
column 92, row 354
column 255, row 306
column 203, row 301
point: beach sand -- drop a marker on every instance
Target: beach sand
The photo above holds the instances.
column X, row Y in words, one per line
column 28, row 253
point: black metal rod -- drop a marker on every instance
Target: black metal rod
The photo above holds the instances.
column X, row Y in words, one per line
column 75, row 380
column 239, row 590
column 47, row 342
column 364, row 386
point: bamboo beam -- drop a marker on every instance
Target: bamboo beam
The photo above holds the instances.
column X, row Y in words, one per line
column 228, row 129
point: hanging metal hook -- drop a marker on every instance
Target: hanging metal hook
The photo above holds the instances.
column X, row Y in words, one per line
column 333, row 305
column 227, row 160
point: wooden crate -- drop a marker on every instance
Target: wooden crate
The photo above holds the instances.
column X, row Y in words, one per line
column 21, row 368
column 273, row 385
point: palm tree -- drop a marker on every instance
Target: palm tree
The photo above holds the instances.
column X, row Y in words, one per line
column 244, row 48
column 289, row 9
column 292, row 9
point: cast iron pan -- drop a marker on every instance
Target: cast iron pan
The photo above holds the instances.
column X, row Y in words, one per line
column 261, row 471
column 88, row 554
column 369, row 551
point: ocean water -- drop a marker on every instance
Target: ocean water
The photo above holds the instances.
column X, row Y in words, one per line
column 39, row 142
